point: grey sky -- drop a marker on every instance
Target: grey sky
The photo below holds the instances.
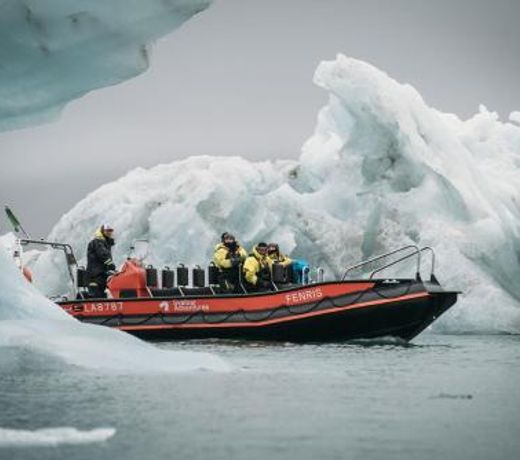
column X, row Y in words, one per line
column 237, row 80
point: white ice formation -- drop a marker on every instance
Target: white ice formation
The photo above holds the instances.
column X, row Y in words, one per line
column 30, row 322
column 383, row 169
column 54, row 51
column 53, row 436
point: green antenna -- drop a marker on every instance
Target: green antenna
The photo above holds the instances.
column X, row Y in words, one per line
column 17, row 226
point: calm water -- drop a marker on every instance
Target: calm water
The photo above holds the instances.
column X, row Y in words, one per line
column 452, row 397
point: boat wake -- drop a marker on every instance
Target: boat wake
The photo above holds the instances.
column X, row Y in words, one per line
column 381, row 342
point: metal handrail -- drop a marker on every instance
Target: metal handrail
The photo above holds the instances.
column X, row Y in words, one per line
column 395, row 262
column 418, row 274
column 240, row 266
column 428, row 248
column 131, row 250
column 382, row 256
column 68, row 252
column 306, row 271
column 320, row 272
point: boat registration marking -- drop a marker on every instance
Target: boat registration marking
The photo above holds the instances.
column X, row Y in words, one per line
column 303, row 296
column 98, row 307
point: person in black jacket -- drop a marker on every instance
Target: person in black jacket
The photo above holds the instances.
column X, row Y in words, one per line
column 99, row 261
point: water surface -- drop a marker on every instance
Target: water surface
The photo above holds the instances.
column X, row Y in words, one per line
column 447, row 396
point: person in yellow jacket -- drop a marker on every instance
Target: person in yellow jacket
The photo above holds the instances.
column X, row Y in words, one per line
column 257, row 269
column 227, row 257
column 273, row 251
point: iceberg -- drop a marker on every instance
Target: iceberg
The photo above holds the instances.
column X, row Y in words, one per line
column 382, row 170
column 30, row 322
column 54, row 51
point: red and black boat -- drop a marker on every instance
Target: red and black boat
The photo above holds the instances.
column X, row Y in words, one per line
column 312, row 311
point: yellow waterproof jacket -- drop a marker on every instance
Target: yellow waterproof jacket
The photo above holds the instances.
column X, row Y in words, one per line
column 99, row 234
column 254, row 264
column 222, row 255
column 280, row 259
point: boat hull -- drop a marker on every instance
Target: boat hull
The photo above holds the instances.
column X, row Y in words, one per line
column 335, row 311
column 412, row 317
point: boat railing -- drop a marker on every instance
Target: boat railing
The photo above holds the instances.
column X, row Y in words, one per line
column 415, row 253
column 240, row 281
column 312, row 275
column 432, row 268
column 70, row 258
column 418, row 274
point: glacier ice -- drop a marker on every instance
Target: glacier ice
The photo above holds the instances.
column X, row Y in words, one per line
column 29, row 321
column 54, row 51
column 383, row 169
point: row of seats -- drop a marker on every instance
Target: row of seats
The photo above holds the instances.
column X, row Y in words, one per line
column 181, row 275
column 280, row 275
column 176, row 282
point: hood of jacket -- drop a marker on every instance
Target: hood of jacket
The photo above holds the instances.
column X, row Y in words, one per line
column 223, row 246
column 99, row 236
column 259, row 256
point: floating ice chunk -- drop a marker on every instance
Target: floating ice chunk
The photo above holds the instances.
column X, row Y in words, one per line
column 53, row 436
column 29, row 321
column 99, row 348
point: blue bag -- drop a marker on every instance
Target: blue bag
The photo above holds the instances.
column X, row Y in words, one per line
column 300, row 271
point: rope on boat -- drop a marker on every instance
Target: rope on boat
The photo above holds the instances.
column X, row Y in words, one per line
column 244, row 313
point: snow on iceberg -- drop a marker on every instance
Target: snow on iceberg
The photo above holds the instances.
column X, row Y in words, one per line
column 29, row 321
column 381, row 170
column 58, row 50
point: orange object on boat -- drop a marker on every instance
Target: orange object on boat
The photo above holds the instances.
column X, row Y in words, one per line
column 130, row 281
column 27, row 274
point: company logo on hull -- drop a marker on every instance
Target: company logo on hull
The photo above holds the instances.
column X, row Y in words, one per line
column 183, row 306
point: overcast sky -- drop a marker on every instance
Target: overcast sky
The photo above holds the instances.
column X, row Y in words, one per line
column 237, row 79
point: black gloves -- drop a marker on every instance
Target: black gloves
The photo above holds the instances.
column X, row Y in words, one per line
column 111, row 267
column 264, row 284
column 235, row 260
column 232, row 246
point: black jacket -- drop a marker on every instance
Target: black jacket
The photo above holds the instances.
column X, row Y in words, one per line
column 99, row 257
